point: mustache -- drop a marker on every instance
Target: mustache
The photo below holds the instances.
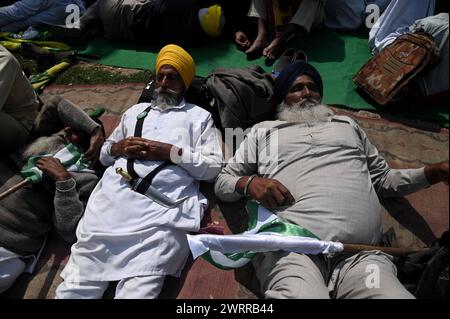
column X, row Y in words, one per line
column 169, row 92
column 308, row 102
column 307, row 111
column 165, row 98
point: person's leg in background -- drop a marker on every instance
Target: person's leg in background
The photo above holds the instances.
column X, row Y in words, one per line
column 81, row 290
column 285, row 275
column 26, row 13
column 11, row 266
column 142, row 287
column 258, row 10
column 13, row 18
column 309, row 15
column 368, row 275
column 18, row 103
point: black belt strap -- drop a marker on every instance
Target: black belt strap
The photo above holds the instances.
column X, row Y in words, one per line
column 147, row 180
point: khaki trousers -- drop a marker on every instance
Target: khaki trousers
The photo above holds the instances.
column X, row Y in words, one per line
column 366, row 275
column 18, row 103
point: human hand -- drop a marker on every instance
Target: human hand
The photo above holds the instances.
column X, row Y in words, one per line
column 270, row 192
column 144, row 149
column 437, row 173
column 53, row 168
column 241, row 40
column 95, row 145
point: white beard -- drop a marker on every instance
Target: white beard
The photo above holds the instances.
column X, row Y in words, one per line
column 45, row 145
column 307, row 112
column 165, row 100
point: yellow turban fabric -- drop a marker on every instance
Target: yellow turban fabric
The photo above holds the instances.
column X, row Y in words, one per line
column 211, row 20
column 177, row 57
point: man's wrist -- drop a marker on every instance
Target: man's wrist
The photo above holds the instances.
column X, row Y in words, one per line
column 113, row 151
column 242, row 183
column 247, row 185
column 63, row 177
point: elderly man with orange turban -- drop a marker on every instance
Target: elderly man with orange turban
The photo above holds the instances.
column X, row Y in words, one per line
column 136, row 220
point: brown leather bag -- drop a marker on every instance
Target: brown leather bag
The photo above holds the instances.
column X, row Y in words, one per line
column 389, row 72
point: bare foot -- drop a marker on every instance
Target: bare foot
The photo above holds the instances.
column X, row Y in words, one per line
column 272, row 49
column 258, row 46
column 240, row 38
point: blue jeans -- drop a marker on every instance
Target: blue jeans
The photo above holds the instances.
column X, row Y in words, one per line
column 22, row 14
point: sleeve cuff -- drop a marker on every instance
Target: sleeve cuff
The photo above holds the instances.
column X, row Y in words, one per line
column 65, row 186
column 231, row 185
column 225, row 188
column 419, row 178
column 93, row 126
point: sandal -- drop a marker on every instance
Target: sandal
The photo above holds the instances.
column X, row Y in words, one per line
column 284, row 60
column 299, row 56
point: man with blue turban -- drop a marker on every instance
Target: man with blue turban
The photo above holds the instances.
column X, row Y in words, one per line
column 136, row 220
column 319, row 171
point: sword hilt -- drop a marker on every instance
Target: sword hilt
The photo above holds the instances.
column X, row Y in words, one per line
column 124, row 174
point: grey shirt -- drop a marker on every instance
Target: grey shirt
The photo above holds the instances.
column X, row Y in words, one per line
column 331, row 169
column 27, row 215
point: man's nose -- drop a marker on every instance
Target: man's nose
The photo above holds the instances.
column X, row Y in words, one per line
column 306, row 92
column 165, row 81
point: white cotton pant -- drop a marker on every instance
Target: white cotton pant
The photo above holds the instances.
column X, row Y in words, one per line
column 143, row 287
column 366, row 275
column 11, row 266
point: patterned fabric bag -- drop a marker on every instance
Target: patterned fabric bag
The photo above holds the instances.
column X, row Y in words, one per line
column 390, row 72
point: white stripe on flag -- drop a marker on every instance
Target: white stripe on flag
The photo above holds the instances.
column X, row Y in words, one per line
column 260, row 243
column 267, row 233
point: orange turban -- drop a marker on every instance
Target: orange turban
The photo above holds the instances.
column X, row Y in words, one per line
column 177, row 57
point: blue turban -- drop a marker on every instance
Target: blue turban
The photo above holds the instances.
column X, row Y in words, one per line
column 288, row 76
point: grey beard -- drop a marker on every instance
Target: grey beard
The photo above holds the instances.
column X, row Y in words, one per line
column 45, row 145
column 165, row 99
column 308, row 112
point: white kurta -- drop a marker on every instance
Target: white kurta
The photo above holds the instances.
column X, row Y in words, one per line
column 125, row 234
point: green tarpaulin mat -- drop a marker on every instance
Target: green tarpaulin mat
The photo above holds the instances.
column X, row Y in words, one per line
column 337, row 56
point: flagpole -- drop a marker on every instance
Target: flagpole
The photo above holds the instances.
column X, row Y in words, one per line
column 14, row 188
column 398, row 252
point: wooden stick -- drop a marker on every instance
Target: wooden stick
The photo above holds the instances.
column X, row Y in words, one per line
column 14, row 188
column 398, row 252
